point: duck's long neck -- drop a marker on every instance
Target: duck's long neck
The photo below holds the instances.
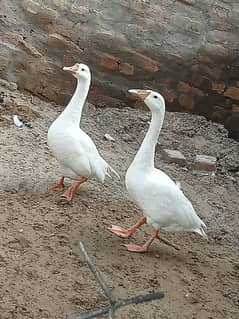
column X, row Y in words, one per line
column 146, row 152
column 74, row 108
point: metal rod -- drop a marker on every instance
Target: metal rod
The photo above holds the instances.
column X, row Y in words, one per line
column 114, row 304
column 169, row 243
column 121, row 303
column 97, row 274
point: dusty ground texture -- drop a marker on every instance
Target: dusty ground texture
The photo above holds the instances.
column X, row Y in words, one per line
column 41, row 272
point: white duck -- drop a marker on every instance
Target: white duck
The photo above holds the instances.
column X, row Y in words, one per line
column 70, row 145
column 163, row 204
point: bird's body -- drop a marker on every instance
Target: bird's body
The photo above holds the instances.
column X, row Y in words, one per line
column 163, row 203
column 76, row 152
column 71, row 146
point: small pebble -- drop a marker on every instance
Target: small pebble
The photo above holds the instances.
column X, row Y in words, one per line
column 108, row 137
column 12, row 86
column 17, row 121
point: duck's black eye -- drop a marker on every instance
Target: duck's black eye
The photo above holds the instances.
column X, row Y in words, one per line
column 82, row 69
column 155, row 96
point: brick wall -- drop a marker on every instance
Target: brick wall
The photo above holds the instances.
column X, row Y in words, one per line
column 186, row 49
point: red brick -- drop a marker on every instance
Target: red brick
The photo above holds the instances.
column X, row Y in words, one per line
column 142, row 61
column 18, row 40
column 232, row 92
column 205, row 59
column 186, row 101
column 184, row 87
column 205, row 163
column 68, row 59
column 215, row 51
column 109, row 62
column 165, row 83
column 11, row 37
column 215, row 73
column 235, row 108
column 126, row 68
column 174, row 58
column 105, row 101
column 148, row 63
column 218, row 87
column 169, row 95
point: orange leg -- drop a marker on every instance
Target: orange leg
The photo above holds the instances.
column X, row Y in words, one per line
column 125, row 233
column 71, row 190
column 145, row 247
column 58, row 186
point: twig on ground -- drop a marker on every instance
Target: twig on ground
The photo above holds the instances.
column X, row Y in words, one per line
column 114, row 303
column 169, row 243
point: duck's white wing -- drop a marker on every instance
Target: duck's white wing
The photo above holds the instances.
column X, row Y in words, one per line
column 166, row 205
column 86, row 159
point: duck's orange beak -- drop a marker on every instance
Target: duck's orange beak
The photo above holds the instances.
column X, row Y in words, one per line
column 72, row 69
column 141, row 94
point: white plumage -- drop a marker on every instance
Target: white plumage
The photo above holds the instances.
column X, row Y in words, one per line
column 163, row 203
column 70, row 145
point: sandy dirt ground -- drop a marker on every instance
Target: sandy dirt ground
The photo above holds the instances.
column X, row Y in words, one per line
column 42, row 274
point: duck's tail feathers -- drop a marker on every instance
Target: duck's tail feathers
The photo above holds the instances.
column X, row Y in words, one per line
column 201, row 231
column 111, row 170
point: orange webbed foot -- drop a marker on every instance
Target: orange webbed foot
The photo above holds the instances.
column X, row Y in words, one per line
column 126, row 233
column 145, row 247
column 69, row 193
column 121, row 232
column 57, row 186
column 136, row 248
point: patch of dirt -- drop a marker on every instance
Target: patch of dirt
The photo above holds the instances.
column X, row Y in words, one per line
column 41, row 272
column 10, row 105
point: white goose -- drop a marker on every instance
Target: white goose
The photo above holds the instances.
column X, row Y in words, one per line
column 70, row 145
column 163, row 204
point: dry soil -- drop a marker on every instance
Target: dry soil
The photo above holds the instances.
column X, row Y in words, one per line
column 42, row 274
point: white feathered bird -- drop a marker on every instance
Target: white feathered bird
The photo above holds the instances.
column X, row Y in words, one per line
column 70, row 145
column 163, row 204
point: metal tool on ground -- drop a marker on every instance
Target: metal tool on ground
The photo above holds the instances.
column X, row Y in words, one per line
column 114, row 303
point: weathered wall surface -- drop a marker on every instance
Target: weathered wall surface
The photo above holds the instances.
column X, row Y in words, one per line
column 186, row 49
